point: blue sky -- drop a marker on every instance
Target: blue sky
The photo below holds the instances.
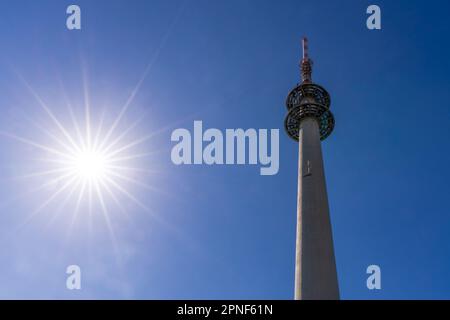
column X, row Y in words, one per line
column 206, row 232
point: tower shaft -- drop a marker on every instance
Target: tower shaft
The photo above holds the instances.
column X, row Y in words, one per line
column 315, row 267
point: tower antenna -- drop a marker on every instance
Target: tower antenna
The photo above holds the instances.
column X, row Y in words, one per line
column 306, row 63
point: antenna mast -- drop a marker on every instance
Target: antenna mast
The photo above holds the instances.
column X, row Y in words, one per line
column 306, row 63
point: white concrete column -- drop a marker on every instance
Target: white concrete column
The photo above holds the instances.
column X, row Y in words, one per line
column 315, row 266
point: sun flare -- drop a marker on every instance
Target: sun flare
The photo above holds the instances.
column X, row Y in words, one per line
column 84, row 162
column 90, row 165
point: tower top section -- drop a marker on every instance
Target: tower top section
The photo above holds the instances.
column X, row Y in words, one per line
column 306, row 63
column 308, row 100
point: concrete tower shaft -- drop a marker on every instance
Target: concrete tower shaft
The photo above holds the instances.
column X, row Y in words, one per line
column 315, row 268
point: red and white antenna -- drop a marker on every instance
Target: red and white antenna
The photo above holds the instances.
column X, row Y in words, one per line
column 306, row 64
column 305, row 48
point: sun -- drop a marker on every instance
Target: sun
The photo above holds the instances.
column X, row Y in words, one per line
column 86, row 163
column 89, row 162
column 90, row 165
column 87, row 166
